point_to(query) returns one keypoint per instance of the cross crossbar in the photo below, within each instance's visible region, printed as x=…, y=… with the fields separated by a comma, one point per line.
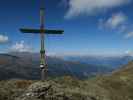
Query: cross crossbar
x=46, y=31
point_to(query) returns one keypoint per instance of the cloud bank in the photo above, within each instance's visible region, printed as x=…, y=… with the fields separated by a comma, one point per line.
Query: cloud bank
x=3, y=39
x=21, y=47
x=78, y=7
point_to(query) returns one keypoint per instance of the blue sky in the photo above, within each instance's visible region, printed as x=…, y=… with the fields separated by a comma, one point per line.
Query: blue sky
x=91, y=26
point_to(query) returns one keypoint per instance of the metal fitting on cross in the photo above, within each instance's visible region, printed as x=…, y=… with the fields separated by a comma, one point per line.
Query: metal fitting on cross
x=42, y=51
x=42, y=66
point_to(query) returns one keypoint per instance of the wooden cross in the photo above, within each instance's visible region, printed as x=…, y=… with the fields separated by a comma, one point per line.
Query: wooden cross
x=42, y=31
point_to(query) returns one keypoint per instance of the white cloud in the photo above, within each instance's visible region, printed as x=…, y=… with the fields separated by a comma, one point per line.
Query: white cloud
x=3, y=39
x=129, y=35
x=77, y=7
x=129, y=53
x=21, y=47
x=117, y=20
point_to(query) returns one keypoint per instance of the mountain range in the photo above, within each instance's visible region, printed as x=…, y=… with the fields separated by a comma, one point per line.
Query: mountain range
x=26, y=66
x=108, y=61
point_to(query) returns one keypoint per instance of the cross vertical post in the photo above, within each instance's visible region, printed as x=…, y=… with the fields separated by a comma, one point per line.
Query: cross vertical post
x=42, y=31
x=43, y=64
